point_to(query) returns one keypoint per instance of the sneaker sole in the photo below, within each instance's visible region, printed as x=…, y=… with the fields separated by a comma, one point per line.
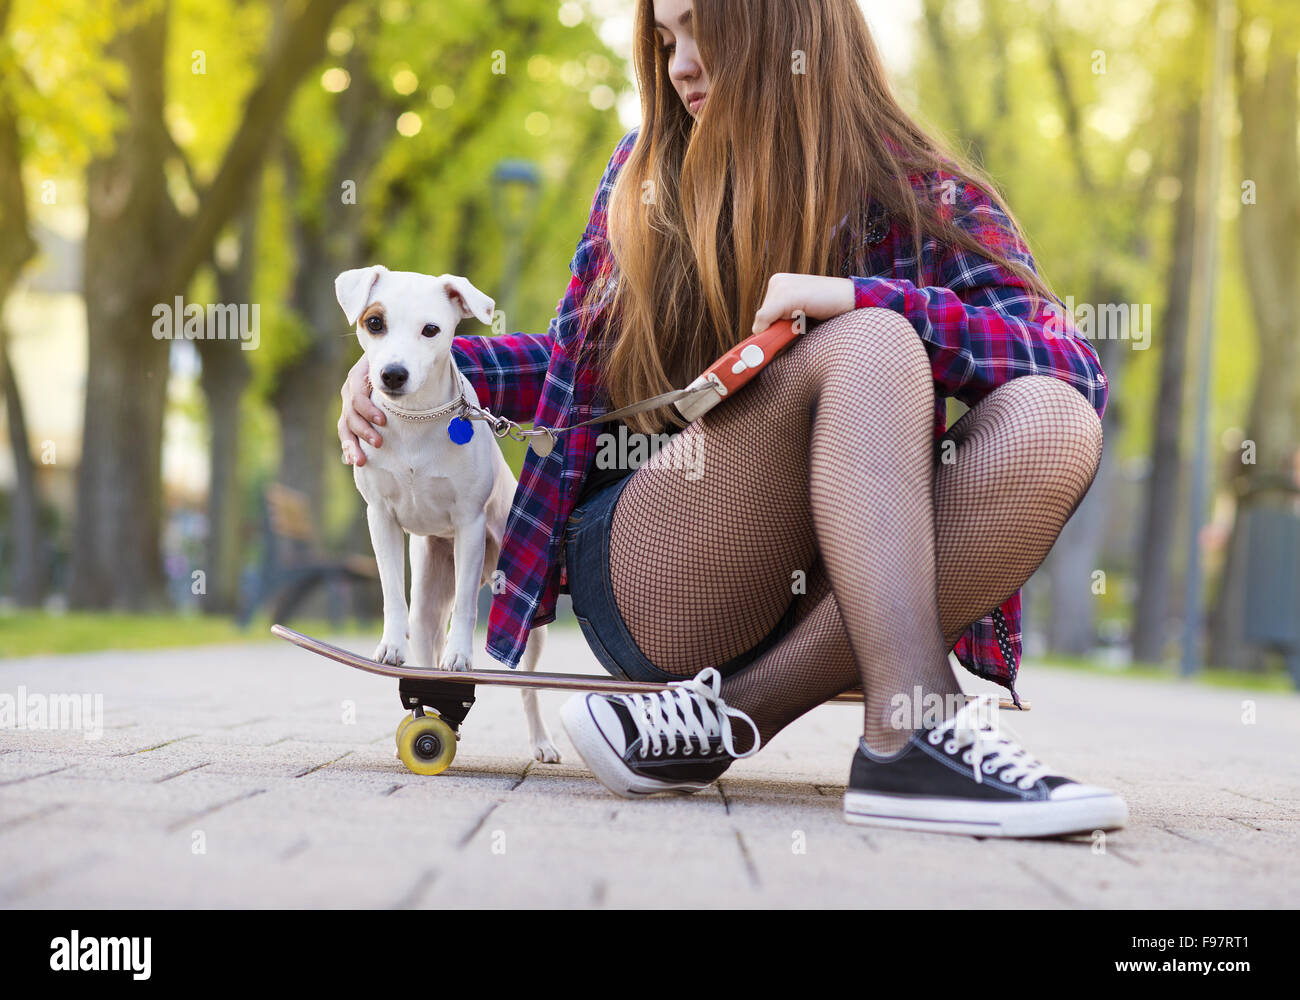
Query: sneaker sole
x=604, y=763
x=986, y=819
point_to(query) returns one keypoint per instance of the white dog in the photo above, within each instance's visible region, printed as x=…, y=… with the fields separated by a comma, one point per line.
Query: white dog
x=451, y=498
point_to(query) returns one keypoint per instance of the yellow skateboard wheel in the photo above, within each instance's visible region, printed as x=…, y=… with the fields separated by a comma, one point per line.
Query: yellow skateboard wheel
x=406, y=721
x=426, y=745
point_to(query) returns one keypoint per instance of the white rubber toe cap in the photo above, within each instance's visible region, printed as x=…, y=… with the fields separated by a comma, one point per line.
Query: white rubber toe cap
x=1074, y=790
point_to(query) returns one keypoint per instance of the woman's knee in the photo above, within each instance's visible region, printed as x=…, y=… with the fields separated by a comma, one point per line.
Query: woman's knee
x=1049, y=414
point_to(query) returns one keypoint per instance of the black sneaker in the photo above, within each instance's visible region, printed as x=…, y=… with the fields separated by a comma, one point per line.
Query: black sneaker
x=678, y=740
x=963, y=777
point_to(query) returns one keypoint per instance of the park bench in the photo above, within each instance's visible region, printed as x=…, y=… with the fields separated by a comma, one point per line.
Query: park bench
x=294, y=565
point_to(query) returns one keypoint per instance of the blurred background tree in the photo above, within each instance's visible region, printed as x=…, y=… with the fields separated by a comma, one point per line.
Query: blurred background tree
x=1093, y=119
x=1265, y=474
x=202, y=182
x=55, y=114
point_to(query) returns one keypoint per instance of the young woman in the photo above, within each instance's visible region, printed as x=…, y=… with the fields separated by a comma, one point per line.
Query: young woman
x=821, y=530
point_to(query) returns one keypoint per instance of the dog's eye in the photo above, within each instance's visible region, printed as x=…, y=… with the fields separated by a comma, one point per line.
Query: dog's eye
x=375, y=324
x=431, y=330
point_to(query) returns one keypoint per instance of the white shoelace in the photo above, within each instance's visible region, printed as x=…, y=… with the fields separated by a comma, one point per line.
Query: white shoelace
x=661, y=719
x=988, y=752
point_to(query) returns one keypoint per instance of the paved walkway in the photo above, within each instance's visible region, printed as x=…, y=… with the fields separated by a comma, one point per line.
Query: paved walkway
x=260, y=775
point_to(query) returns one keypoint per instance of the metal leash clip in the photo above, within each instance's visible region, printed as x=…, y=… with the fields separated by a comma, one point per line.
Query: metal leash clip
x=505, y=427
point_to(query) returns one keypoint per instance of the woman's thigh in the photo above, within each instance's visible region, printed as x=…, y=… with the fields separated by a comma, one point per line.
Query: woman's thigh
x=705, y=546
x=711, y=543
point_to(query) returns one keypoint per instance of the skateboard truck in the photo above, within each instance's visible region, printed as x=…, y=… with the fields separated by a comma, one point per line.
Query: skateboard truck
x=451, y=701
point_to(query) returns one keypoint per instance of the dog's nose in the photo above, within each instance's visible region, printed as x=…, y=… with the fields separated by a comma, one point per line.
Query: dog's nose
x=393, y=376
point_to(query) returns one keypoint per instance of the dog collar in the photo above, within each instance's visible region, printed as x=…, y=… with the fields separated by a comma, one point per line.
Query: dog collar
x=400, y=411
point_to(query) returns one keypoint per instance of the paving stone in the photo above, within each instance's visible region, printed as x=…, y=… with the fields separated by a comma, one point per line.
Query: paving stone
x=261, y=776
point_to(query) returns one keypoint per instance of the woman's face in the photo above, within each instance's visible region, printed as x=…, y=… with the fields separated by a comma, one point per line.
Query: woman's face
x=676, y=33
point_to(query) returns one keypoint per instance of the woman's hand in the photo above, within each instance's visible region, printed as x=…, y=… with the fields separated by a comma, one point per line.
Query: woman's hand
x=816, y=296
x=358, y=415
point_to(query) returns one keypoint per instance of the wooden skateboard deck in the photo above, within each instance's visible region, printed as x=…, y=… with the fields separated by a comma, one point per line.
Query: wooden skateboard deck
x=426, y=742
x=600, y=684
x=597, y=683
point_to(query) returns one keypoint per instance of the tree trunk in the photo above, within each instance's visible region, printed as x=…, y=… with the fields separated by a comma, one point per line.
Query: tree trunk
x=226, y=374
x=1163, y=493
x=303, y=402
x=1270, y=241
x=224, y=378
x=307, y=388
x=30, y=573
x=116, y=559
x=139, y=254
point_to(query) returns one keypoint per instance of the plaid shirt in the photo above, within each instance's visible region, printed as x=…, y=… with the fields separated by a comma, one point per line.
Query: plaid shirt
x=974, y=317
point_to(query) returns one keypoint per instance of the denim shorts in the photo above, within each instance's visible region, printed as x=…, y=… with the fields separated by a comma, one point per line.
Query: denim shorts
x=586, y=553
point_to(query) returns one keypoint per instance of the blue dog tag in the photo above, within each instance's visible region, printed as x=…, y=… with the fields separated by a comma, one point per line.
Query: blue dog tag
x=460, y=430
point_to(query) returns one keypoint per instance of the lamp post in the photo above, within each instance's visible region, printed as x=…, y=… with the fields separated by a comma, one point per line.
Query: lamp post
x=515, y=186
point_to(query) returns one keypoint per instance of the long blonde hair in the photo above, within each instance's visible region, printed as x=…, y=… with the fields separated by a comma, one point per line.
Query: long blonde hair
x=705, y=211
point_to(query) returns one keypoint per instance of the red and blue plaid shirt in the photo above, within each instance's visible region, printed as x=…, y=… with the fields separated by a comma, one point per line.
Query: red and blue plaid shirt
x=975, y=317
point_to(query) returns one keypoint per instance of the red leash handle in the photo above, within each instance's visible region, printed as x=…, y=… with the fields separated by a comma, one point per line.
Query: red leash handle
x=733, y=370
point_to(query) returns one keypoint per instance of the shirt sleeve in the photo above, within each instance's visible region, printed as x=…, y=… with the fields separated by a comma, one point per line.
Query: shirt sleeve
x=507, y=372
x=977, y=320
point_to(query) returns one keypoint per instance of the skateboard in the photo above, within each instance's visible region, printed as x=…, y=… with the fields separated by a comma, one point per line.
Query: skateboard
x=437, y=701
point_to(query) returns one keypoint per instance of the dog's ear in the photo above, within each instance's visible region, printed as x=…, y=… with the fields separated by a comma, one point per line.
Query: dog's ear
x=352, y=288
x=467, y=298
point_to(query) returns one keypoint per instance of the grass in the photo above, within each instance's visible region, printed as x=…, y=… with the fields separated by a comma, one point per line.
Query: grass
x=42, y=634
x=1277, y=680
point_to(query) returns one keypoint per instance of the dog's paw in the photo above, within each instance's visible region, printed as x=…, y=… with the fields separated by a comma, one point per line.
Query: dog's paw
x=456, y=659
x=391, y=651
x=546, y=752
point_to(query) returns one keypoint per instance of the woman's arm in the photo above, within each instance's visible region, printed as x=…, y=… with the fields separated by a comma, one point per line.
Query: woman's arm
x=978, y=324
x=977, y=321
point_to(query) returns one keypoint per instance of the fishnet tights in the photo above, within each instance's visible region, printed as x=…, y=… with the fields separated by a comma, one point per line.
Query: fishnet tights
x=822, y=484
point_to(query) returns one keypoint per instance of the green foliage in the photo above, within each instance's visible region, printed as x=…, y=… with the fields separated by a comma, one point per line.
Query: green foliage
x=214, y=55
x=54, y=64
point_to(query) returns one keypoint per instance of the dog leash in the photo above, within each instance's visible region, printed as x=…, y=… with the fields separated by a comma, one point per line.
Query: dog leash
x=729, y=373
x=542, y=439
